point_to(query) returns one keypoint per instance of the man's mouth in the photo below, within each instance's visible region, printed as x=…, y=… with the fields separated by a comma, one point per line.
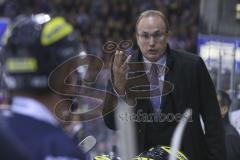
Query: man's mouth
x=152, y=51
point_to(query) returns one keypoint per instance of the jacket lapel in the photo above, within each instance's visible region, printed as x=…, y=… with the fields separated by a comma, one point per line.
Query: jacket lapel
x=168, y=81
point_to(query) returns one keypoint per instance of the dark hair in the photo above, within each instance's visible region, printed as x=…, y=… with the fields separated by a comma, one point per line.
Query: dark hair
x=224, y=98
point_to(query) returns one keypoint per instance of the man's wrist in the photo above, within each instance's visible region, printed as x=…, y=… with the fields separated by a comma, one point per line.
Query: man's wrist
x=120, y=92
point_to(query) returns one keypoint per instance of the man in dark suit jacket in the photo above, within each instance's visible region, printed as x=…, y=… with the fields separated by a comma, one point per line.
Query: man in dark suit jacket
x=231, y=135
x=187, y=84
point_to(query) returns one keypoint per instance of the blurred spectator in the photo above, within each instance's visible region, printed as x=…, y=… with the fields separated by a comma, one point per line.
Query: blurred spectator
x=231, y=135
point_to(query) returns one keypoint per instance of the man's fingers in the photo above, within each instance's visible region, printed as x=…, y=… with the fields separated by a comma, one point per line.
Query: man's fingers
x=120, y=66
x=119, y=58
x=116, y=58
x=124, y=66
x=122, y=58
x=126, y=61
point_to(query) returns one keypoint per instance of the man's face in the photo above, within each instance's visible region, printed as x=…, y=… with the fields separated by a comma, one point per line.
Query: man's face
x=223, y=108
x=152, y=37
x=224, y=111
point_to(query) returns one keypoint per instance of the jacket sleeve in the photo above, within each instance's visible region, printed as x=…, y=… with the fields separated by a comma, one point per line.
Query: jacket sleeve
x=210, y=111
x=108, y=103
x=233, y=146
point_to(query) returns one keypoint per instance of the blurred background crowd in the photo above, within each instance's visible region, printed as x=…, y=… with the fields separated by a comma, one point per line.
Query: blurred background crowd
x=100, y=21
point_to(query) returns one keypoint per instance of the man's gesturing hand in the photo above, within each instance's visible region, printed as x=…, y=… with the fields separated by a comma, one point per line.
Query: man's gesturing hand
x=120, y=69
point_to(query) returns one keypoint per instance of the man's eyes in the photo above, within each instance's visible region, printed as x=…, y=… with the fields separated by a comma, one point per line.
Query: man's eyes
x=154, y=35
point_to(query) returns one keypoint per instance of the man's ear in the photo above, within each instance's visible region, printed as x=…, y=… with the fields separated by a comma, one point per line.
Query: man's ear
x=168, y=34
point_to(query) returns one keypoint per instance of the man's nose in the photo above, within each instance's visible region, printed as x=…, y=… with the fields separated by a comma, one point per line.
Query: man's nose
x=151, y=41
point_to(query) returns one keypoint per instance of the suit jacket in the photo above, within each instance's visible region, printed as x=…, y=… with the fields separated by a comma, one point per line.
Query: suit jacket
x=232, y=140
x=193, y=88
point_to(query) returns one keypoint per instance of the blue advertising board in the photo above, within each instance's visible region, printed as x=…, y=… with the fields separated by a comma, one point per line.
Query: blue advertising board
x=215, y=48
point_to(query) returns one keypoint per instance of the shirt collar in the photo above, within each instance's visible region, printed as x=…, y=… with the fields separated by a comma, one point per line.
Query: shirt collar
x=32, y=108
x=148, y=64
